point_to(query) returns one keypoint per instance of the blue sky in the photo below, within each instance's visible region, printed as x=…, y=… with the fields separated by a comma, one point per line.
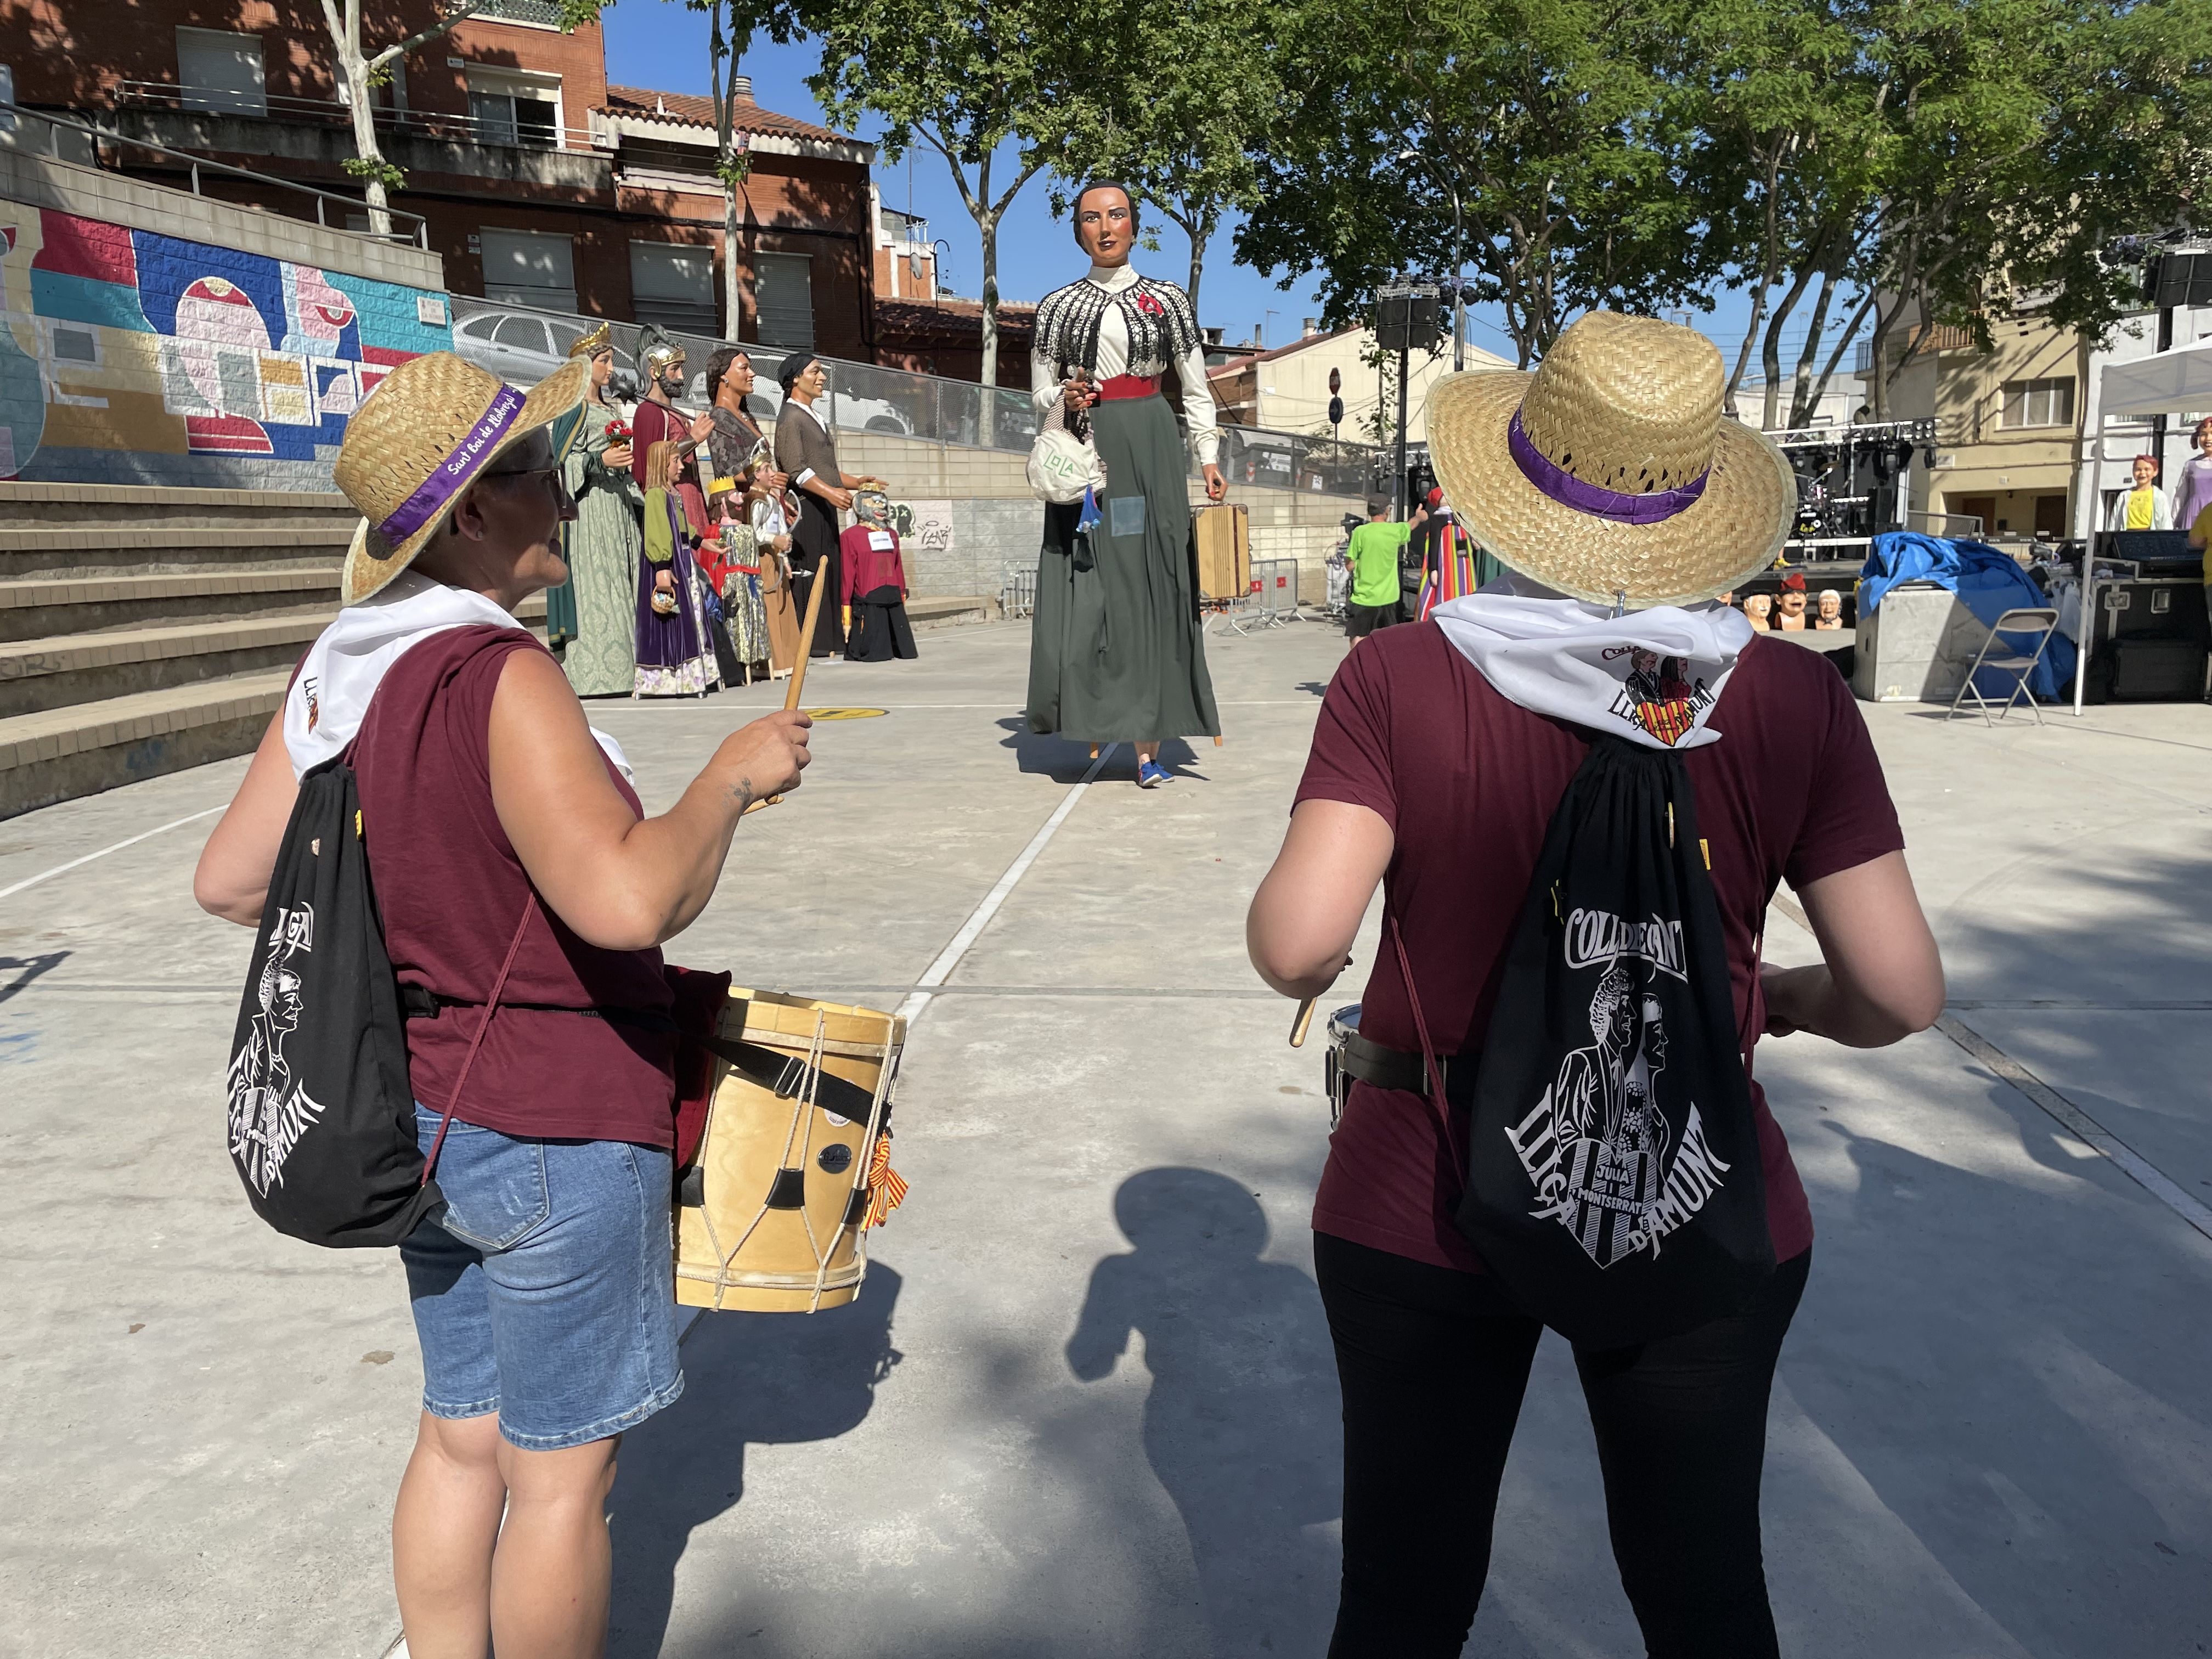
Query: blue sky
x=662, y=44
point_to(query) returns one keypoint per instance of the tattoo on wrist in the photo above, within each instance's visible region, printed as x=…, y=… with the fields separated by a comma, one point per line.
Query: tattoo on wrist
x=742, y=793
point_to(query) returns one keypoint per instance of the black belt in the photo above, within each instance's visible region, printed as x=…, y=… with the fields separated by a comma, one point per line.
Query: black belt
x=1368, y=1061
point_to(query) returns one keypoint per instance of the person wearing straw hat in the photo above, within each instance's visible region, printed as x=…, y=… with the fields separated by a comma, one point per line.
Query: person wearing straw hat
x=1621, y=500
x=496, y=822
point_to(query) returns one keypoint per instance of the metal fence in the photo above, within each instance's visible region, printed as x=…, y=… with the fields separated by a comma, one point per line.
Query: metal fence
x=523, y=344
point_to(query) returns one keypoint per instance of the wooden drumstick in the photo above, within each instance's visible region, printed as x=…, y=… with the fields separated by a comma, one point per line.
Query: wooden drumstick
x=796, y=688
x=1305, y=1019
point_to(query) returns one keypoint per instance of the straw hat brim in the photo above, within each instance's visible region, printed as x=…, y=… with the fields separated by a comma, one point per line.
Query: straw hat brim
x=1732, y=531
x=372, y=562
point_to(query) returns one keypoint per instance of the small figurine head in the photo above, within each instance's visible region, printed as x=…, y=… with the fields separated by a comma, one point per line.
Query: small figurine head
x=1790, y=602
x=1831, y=606
x=1757, y=607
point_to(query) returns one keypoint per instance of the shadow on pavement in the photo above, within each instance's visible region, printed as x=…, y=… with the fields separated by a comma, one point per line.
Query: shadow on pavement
x=2028, y=1445
x=749, y=1379
x=1062, y=759
x=1242, y=1425
x=26, y=968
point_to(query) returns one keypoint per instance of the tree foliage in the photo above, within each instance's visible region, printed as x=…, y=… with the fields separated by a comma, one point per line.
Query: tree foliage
x=964, y=78
x=1176, y=110
x=1911, y=163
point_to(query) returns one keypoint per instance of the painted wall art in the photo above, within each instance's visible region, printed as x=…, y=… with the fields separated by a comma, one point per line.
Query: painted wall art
x=128, y=356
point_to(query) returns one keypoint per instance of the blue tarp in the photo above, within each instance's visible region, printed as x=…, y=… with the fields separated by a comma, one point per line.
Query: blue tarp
x=1990, y=583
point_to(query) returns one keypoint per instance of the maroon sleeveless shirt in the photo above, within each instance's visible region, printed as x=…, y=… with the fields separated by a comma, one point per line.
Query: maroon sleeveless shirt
x=452, y=892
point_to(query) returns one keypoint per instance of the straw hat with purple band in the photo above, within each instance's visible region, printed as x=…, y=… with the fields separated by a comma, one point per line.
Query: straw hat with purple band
x=435, y=426
x=1609, y=473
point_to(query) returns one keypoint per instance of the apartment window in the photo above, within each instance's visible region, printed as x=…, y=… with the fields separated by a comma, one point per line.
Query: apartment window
x=221, y=72
x=508, y=109
x=529, y=268
x=783, y=299
x=2038, y=403
x=672, y=284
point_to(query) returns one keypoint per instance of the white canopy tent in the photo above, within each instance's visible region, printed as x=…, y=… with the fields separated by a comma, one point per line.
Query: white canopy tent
x=2171, y=383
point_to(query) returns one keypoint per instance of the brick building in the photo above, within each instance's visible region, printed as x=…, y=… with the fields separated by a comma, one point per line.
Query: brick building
x=538, y=184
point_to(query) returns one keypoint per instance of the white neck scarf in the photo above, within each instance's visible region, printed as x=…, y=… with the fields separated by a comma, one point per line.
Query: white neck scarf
x=330, y=698
x=1652, y=677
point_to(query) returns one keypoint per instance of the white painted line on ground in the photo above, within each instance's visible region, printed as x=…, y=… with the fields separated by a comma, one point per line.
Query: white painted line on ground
x=2077, y=1123
x=970, y=930
x=63, y=869
x=2084, y=1128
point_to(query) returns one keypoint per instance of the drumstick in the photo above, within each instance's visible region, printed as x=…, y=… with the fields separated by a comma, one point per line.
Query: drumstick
x=798, y=687
x=1305, y=1019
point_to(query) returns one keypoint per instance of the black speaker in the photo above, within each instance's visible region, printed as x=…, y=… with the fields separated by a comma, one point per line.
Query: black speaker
x=1407, y=322
x=2180, y=279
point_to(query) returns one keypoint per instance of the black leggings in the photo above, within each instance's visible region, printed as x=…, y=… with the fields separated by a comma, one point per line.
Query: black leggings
x=1433, y=1364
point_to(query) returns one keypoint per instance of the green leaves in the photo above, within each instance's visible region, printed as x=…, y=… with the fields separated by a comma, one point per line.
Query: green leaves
x=1635, y=153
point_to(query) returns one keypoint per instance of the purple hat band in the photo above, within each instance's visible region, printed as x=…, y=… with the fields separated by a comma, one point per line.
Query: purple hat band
x=454, y=474
x=1568, y=490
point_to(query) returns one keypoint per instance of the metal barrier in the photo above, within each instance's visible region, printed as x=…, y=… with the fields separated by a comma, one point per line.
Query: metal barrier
x=1017, y=593
x=42, y=128
x=1275, y=585
x=866, y=397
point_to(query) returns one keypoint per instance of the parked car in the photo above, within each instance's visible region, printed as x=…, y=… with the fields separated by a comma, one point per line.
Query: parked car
x=523, y=347
x=848, y=412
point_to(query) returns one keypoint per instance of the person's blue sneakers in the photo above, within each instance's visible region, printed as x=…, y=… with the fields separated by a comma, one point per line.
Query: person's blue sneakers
x=1150, y=774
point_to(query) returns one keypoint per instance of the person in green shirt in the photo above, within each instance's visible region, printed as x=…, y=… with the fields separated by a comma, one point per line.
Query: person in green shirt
x=1373, y=555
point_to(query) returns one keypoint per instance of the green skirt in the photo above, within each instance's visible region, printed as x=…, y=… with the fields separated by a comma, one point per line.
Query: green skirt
x=1116, y=651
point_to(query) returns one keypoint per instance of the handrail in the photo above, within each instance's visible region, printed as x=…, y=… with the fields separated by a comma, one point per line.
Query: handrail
x=437, y=125
x=352, y=203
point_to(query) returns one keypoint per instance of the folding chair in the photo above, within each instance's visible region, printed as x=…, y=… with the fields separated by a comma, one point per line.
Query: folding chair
x=2040, y=623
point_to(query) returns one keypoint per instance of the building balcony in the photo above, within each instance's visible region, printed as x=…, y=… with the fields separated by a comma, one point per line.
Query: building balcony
x=318, y=134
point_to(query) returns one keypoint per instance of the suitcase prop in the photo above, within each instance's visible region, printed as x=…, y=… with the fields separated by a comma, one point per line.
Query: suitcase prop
x=794, y=1166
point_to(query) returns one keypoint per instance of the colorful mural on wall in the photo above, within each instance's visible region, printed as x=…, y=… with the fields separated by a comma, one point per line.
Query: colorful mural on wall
x=130, y=356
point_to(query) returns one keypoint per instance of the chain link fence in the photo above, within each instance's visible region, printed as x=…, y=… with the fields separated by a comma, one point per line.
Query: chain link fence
x=522, y=344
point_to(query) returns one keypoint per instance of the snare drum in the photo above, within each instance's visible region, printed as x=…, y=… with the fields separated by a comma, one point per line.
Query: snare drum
x=793, y=1167
x=1336, y=1081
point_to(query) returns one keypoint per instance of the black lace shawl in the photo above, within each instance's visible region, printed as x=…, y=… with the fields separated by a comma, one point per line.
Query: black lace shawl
x=1161, y=325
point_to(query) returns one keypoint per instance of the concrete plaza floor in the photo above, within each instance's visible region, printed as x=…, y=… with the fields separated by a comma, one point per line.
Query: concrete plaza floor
x=1086, y=1405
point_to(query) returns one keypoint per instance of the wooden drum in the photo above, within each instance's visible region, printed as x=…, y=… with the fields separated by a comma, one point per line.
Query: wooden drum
x=794, y=1166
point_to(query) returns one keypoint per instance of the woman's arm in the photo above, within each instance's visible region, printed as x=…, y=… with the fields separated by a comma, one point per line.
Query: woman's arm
x=232, y=880
x=1880, y=978
x=620, y=882
x=1309, y=909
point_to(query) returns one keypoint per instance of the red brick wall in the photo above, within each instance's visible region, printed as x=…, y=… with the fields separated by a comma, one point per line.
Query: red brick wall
x=74, y=51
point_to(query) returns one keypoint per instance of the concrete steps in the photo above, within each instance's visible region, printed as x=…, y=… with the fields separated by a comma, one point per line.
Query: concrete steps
x=143, y=629
x=33, y=609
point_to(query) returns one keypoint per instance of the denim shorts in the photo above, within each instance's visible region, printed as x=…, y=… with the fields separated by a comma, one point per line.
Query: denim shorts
x=544, y=1291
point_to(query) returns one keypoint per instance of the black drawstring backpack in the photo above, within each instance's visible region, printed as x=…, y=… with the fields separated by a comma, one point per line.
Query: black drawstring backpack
x=1613, y=1177
x=322, y=1117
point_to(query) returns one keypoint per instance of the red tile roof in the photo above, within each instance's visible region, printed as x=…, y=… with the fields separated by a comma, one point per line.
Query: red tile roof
x=923, y=324
x=688, y=109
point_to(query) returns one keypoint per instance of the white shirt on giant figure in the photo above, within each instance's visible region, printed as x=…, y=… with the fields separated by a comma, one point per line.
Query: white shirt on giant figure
x=1113, y=359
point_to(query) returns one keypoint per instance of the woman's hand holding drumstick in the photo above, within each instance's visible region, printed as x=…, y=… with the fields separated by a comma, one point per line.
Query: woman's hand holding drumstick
x=798, y=687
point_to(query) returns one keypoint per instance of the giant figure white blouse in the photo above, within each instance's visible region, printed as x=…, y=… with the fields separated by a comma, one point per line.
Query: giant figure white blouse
x=1113, y=359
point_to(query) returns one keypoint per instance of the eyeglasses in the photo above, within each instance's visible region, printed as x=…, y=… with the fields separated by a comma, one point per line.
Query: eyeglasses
x=560, y=485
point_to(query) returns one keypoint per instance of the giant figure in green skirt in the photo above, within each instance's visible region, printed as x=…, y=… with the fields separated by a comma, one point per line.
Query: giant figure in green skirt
x=1117, y=651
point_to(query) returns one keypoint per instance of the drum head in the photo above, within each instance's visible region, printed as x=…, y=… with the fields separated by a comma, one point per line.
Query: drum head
x=1344, y=1022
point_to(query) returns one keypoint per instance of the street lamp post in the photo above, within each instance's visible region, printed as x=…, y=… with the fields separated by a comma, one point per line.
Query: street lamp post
x=1459, y=258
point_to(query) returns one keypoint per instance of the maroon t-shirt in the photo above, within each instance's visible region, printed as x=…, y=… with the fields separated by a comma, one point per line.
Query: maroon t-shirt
x=1468, y=782
x=452, y=892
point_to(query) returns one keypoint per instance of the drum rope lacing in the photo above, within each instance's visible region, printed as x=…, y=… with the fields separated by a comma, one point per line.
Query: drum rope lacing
x=886, y=1189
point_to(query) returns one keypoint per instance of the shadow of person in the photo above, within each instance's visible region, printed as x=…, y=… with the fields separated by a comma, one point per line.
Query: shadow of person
x=1063, y=760
x=1242, y=1425
x=749, y=1378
